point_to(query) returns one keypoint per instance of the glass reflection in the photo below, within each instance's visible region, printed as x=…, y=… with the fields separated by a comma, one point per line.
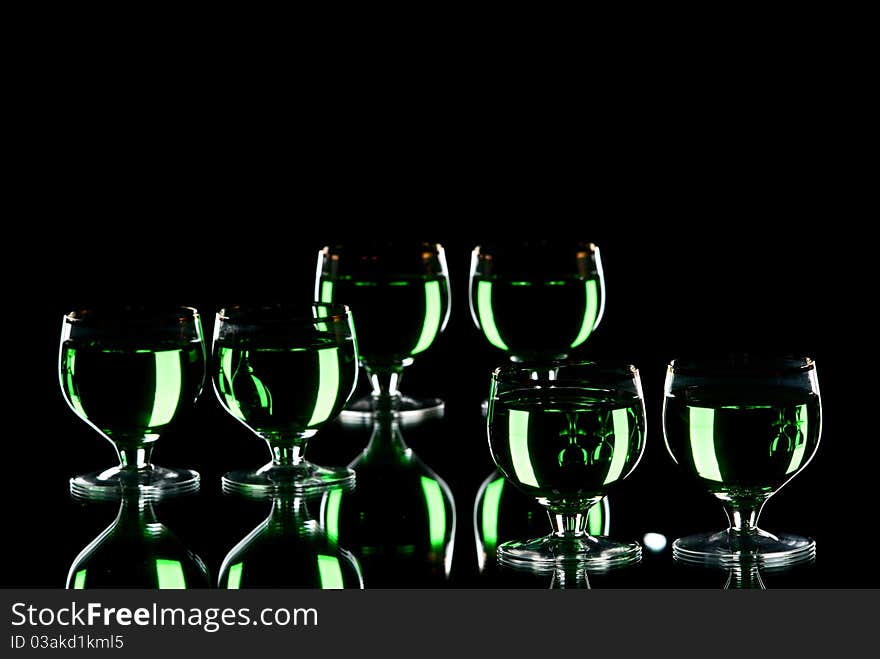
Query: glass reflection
x=502, y=513
x=568, y=576
x=749, y=573
x=745, y=576
x=137, y=551
x=289, y=549
x=400, y=520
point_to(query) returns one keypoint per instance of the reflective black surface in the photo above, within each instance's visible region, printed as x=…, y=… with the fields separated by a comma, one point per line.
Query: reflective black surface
x=210, y=523
x=788, y=290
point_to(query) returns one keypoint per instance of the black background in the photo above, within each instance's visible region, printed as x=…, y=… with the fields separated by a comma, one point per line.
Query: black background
x=729, y=208
x=695, y=259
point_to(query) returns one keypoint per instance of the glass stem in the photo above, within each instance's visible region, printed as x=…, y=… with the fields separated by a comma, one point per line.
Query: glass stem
x=743, y=518
x=136, y=512
x=568, y=525
x=287, y=455
x=744, y=577
x=135, y=458
x=289, y=513
x=565, y=578
x=385, y=381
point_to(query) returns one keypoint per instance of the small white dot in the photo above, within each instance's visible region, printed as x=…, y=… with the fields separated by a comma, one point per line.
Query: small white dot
x=655, y=542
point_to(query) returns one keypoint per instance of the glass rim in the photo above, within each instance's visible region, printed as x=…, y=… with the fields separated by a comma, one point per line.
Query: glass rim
x=612, y=371
x=761, y=365
x=331, y=248
x=110, y=315
x=476, y=251
x=246, y=313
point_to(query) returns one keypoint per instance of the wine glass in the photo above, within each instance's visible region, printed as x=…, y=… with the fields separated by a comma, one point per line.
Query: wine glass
x=742, y=427
x=400, y=519
x=564, y=433
x=514, y=288
x=137, y=551
x=130, y=373
x=403, y=282
x=284, y=371
x=289, y=549
x=537, y=299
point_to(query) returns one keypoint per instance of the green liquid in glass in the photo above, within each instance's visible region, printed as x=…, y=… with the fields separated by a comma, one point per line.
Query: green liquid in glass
x=565, y=445
x=395, y=318
x=131, y=392
x=284, y=390
x=536, y=317
x=742, y=446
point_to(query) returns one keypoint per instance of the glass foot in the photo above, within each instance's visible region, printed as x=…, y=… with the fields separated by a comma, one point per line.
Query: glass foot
x=727, y=549
x=548, y=553
x=304, y=478
x=155, y=482
x=411, y=410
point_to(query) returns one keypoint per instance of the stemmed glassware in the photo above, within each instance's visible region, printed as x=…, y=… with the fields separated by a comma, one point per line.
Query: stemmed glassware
x=137, y=551
x=400, y=519
x=537, y=299
x=284, y=371
x=534, y=300
x=130, y=373
x=502, y=512
x=742, y=427
x=564, y=433
x=289, y=549
x=405, y=283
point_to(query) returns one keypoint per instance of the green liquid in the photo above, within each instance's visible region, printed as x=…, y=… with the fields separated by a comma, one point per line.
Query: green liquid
x=398, y=522
x=285, y=390
x=288, y=550
x=394, y=318
x=742, y=446
x=565, y=446
x=502, y=513
x=400, y=519
x=536, y=317
x=131, y=392
x=136, y=551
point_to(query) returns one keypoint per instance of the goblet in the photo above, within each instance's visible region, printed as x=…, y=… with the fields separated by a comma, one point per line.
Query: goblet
x=405, y=281
x=564, y=433
x=537, y=299
x=742, y=427
x=137, y=551
x=400, y=519
x=514, y=288
x=284, y=371
x=130, y=373
x=289, y=549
